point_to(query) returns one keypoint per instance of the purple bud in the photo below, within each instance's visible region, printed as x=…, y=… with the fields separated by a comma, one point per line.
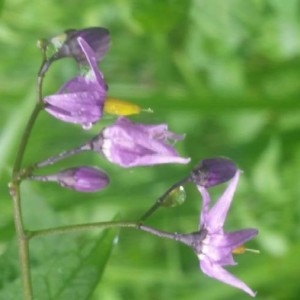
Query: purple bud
x=82, y=179
x=213, y=171
x=129, y=144
x=67, y=45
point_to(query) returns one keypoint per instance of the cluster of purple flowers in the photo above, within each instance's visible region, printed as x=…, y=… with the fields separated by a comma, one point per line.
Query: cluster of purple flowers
x=81, y=101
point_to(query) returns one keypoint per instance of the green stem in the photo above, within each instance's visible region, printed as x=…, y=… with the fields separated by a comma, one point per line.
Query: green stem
x=81, y=227
x=62, y=155
x=32, y=119
x=14, y=187
x=24, y=140
x=103, y=225
x=23, y=242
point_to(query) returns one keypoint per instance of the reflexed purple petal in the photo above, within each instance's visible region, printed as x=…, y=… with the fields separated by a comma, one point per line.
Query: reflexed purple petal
x=140, y=136
x=212, y=245
x=220, y=256
x=131, y=144
x=79, y=84
x=78, y=108
x=209, y=249
x=217, y=214
x=150, y=160
x=215, y=271
x=234, y=239
x=205, y=205
x=128, y=155
x=96, y=37
x=81, y=99
x=92, y=61
x=158, y=131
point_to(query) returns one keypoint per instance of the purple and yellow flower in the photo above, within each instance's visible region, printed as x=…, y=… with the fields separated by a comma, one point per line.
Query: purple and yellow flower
x=81, y=99
x=82, y=179
x=212, y=245
x=129, y=144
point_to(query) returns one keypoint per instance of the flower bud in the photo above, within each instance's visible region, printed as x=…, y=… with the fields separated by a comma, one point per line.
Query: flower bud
x=213, y=171
x=82, y=179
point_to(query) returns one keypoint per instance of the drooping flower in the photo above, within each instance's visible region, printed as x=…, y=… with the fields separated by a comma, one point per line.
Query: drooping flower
x=81, y=99
x=212, y=245
x=213, y=171
x=82, y=179
x=129, y=144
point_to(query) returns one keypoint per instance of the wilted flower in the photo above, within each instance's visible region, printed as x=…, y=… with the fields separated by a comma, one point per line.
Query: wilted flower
x=129, y=144
x=212, y=245
x=82, y=98
x=213, y=171
x=82, y=179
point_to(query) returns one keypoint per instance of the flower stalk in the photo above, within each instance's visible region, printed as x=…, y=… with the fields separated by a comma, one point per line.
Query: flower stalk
x=14, y=188
x=23, y=242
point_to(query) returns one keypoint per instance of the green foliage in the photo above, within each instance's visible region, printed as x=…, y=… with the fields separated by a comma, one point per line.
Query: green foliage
x=64, y=267
x=226, y=73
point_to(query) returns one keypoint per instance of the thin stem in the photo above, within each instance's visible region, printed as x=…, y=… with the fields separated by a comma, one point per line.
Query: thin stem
x=23, y=242
x=25, y=138
x=102, y=225
x=162, y=234
x=14, y=187
x=62, y=155
x=81, y=227
x=27, y=131
x=161, y=199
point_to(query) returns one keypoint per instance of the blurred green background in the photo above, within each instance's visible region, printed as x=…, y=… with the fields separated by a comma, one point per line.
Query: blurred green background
x=225, y=73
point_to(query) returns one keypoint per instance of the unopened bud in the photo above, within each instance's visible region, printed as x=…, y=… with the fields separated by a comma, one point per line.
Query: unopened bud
x=82, y=179
x=213, y=171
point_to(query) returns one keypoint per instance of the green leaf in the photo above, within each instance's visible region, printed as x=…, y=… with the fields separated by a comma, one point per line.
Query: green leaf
x=65, y=267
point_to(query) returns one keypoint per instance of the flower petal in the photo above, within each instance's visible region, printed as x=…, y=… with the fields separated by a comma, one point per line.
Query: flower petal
x=217, y=272
x=78, y=108
x=131, y=144
x=234, y=239
x=205, y=205
x=217, y=214
x=92, y=61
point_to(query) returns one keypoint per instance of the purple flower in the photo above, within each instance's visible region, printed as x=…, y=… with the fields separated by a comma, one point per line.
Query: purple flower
x=129, y=144
x=67, y=45
x=213, y=171
x=82, y=179
x=81, y=99
x=211, y=244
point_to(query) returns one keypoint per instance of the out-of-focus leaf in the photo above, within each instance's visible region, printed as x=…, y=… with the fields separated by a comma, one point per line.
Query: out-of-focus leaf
x=68, y=267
